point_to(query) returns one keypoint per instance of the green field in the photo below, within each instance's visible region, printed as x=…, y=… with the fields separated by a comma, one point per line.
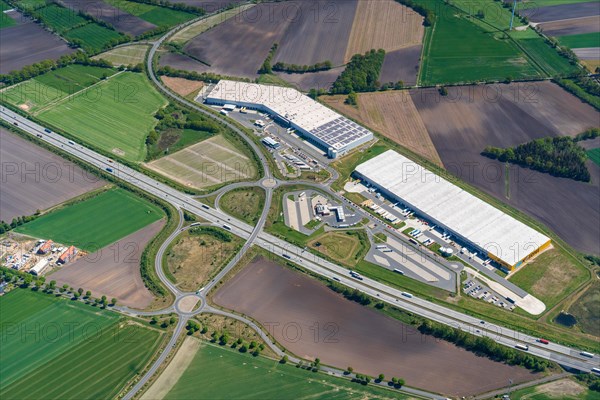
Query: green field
x=594, y=155
x=160, y=16
x=462, y=48
x=218, y=373
x=582, y=40
x=5, y=20
x=59, y=18
x=54, y=348
x=39, y=92
x=115, y=117
x=96, y=222
x=93, y=37
x=586, y=310
x=244, y=203
x=31, y=4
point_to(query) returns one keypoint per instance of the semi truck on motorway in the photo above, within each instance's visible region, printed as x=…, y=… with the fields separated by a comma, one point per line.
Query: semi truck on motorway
x=586, y=354
x=523, y=347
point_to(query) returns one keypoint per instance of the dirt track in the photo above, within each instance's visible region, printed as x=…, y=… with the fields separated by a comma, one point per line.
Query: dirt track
x=113, y=271
x=383, y=24
x=34, y=178
x=312, y=321
x=470, y=118
x=40, y=45
x=393, y=115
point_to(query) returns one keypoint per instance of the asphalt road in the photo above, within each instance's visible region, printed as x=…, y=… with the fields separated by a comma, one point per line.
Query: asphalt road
x=561, y=354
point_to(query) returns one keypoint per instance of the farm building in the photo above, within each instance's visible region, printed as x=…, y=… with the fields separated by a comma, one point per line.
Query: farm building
x=39, y=268
x=45, y=247
x=67, y=256
x=316, y=123
x=471, y=220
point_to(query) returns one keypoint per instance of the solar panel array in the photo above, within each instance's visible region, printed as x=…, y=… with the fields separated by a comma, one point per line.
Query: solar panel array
x=340, y=132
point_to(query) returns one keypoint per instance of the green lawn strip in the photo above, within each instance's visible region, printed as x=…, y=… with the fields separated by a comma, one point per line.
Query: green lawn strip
x=30, y=4
x=93, y=37
x=262, y=378
x=37, y=328
x=594, y=155
x=5, y=20
x=244, y=203
x=581, y=40
x=96, y=222
x=115, y=117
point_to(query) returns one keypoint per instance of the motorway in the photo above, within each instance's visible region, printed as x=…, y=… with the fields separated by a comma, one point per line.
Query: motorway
x=561, y=354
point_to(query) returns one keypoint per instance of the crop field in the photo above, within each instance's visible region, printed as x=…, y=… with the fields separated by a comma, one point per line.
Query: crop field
x=53, y=359
x=316, y=31
x=393, y=115
x=208, y=163
x=563, y=389
x=401, y=65
x=30, y=4
x=41, y=45
x=5, y=19
x=210, y=5
x=594, y=155
x=92, y=36
x=194, y=258
x=570, y=26
x=127, y=55
x=581, y=40
x=538, y=13
x=53, y=181
x=159, y=16
x=182, y=86
x=116, y=116
x=350, y=334
x=249, y=38
x=96, y=222
x=383, y=24
x=113, y=271
x=44, y=90
x=60, y=19
x=267, y=378
x=546, y=58
x=470, y=118
x=190, y=32
x=244, y=203
x=120, y=20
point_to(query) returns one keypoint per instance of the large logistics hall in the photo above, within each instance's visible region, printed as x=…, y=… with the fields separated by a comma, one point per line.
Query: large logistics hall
x=473, y=221
x=318, y=124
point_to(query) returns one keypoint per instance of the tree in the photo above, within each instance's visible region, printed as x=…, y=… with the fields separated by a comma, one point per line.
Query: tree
x=349, y=369
x=352, y=99
x=64, y=288
x=443, y=91
x=244, y=348
x=381, y=377
x=88, y=294
x=80, y=291
x=113, y=301
x=400, y=382
x=172, y=320
x=27, y=279
x=154, y=320
x=284, y=359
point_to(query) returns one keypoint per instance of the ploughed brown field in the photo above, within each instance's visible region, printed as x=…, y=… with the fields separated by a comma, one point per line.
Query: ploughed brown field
x=571, y=26
x=393, y=115
x=119, y=19
x=180, y=61
x=113, y=271
x=34, y=178
x=313, y=80
x=401, y=65
x=27, y=43
x=561, y=11
x=311, y=321
x=470, y=118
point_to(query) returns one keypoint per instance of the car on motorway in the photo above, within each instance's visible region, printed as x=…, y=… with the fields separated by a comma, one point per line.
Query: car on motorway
x=543, y=341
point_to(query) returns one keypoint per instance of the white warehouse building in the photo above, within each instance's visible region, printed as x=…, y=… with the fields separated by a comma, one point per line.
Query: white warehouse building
x=318, y=124
x=471, y=220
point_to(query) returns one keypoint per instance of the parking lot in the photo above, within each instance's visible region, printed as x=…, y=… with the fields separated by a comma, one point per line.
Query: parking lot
x=481, y=292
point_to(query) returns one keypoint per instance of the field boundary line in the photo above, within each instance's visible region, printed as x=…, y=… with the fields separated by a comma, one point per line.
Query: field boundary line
x=60, y=101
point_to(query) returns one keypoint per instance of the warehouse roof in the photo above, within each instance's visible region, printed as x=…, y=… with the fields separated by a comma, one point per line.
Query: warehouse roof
x=323, y=123
x=475, y=220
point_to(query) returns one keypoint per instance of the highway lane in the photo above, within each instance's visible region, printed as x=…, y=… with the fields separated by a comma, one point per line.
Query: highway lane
x=562, y=354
